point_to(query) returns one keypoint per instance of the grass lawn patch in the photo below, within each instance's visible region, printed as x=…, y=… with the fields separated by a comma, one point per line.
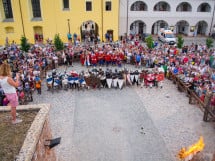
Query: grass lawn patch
x=13, y=136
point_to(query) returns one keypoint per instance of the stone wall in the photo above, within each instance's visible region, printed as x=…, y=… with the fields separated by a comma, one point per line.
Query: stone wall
x=43, y=153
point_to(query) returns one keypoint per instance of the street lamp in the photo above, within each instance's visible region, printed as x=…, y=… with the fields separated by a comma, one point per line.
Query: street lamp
x=68, y=25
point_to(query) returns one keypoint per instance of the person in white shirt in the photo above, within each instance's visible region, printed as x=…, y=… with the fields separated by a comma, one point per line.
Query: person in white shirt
x=8, y=85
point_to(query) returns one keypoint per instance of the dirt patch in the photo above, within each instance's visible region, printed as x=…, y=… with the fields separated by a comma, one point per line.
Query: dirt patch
x=12, y=136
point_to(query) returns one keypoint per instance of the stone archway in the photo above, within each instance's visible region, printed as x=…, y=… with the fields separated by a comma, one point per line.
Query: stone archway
x=158, y=25
x=182, y=27
x=89, y=30
x=201, y=28
x=137, y=27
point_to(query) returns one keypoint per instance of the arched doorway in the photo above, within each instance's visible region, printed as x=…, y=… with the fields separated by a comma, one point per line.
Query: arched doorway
x=201, y=27
x=182, y=27
x=38, y=34
x=137, y=27
x=89, y=30
x=158, y=25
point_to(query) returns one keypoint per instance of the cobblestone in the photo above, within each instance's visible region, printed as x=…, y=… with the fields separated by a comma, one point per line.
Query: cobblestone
x=132, y=124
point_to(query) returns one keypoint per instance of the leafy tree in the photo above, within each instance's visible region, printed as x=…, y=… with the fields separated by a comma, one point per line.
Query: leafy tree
x=209, y=42
x=58, y=42
x=25, y=46
x=180, y=42
x=150, y=42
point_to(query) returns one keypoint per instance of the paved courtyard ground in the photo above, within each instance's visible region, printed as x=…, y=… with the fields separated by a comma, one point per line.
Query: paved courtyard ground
x=132, y=124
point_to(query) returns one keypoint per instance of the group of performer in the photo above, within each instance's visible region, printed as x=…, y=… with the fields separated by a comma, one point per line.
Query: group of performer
x=98, y=78
x=100, y=57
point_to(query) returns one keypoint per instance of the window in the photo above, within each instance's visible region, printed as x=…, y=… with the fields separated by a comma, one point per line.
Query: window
x=204, y=7
x=139, y=6
x=184, y=7
x=162, y=6
x=108, y=6
x=7, y=8
x=65, y=4
x=36, y=8
x=88, y=6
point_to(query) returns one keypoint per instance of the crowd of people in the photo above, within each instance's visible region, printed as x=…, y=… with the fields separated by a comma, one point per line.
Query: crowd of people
x=194, y=64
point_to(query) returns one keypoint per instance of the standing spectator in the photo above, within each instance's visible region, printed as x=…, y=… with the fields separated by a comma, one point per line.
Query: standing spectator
x=55, y=58
x=71, y=56
x=138, y=60
x=8, y=85
x=75, y=38
x=38, y=84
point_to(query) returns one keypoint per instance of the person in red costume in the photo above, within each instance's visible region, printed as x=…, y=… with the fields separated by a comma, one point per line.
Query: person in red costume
x=82, y=58
x=107, y=58
x=93, y=60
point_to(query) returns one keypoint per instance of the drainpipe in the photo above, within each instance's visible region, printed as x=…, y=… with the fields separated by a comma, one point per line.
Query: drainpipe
x=20, y=9
x=102, y=19
x=212, y=19
x=127, y=18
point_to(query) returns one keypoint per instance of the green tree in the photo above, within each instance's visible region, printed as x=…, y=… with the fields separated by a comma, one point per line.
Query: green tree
x=209, y=42
x=150, y=42
x=25, y=46
x=58, y=42
x=180, y=42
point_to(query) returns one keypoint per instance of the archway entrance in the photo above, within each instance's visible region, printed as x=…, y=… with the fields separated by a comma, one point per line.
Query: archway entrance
x=38, y=34
x=158, y=25
x=201, y=27
x=89, y=31
x=182, y=27
x=137, y=27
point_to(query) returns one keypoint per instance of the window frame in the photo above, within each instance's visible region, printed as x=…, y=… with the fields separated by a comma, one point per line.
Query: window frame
x=66, y=8
x=139, y=6
x=36, y=9
x=87, y=3
x=8, y=11
x=107, y=6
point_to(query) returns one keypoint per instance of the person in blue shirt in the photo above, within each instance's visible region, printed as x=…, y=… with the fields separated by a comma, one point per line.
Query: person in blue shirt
x=138, y=60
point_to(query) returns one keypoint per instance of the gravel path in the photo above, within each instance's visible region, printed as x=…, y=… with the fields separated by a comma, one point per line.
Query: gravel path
x=132, y=124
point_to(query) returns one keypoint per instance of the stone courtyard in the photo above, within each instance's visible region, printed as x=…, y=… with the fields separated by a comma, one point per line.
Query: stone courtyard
x=132, y=124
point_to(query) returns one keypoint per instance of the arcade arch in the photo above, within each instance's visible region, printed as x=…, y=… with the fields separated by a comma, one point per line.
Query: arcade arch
x=204, y=7
x=158, y=25
x=184, y=7
x=162, y=6
x=201, y=28
x=182, y=27
x=138, y=27
x=139, y=6
x=89, y=30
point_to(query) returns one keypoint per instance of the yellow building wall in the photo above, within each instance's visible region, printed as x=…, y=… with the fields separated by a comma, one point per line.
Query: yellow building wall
x=111, y=19
x=55, y=19
x=16, y=24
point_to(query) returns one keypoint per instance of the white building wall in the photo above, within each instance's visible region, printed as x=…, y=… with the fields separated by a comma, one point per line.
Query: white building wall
x=149, y=17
